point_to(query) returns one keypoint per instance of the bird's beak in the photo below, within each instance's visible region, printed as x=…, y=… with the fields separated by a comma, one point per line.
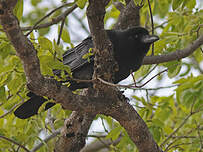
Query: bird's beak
x=149, y=39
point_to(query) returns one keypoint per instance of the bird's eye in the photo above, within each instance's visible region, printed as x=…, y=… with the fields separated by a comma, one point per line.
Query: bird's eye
x=136, y=36
x=133, y=37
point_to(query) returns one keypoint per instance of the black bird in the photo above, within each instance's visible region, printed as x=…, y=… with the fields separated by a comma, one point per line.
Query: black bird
x=129, y=46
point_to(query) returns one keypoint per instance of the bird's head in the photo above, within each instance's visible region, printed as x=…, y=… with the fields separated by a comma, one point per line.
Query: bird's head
x=140, y=35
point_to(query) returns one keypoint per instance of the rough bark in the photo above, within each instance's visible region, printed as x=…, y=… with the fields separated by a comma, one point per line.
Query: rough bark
x=129, y=16
x=74, y=132
x=110, y=101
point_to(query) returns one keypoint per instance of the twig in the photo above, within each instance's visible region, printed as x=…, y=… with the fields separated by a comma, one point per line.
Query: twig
x=176, y=130
x=147, y=95
x=141, y=3
x=133, y=78
x=119, y=6
x=170, y=144
x=50, y=121
x=147, y=73
x=196, y=64
x=152, y=22
x=44, y=17
x=104, y=126
x=179, y=145
x=5, y=114
x=54, y=20
x=160, y=26
x=102, y=143
x=97, y=136
x=61, y=30
x=198, y=29
x=200, y=137
x=152, y=78
x=54, y=134
x=14, y=142
x=157, y=88
x=184, y=137
x=180, y=126
x=130, y=86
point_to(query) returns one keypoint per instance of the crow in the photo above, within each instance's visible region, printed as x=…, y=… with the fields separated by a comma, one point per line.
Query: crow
x=130, y=47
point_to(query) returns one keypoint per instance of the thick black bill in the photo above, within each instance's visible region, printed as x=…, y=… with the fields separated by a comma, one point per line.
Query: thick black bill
x=150, y=38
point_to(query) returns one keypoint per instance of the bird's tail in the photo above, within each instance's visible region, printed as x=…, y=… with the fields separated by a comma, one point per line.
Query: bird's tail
x=31, y=106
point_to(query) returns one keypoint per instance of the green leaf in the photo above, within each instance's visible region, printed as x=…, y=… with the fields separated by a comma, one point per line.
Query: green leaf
x=142, y=71
x=2, y=94
x=156, y=132
x=81, y=3
x=163, y=113
x=190, y=4
x=35, y=2
x=43, y=31
x=6, y=49
x=16, y=83
x=114, y=133
x=158, y=123
x=42, y=107
x=173, y=68
x=65, y=36
x=45, y=43
x=18, y=10
x=58, y=49
x=188, y=66
x=3, y=132
x=48, y=63
x=176, y=4
x=187, y=97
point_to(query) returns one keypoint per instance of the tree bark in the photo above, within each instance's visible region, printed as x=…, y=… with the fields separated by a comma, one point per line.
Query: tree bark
x=101, y=100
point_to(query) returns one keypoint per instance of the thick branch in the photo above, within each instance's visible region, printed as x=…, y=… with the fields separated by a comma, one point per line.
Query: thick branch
x=104, y=62
x=36, y=82
x=42, y=86
x=135, y=126
x=129, y=16
x=115, y=105
x=74, y=132
x=177, y=55
x=120, y=109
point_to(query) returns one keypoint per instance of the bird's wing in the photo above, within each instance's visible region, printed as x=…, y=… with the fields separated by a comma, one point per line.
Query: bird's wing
x=74, y=57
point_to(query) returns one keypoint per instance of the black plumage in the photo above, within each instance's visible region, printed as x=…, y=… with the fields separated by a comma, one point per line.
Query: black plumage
x=129, y=46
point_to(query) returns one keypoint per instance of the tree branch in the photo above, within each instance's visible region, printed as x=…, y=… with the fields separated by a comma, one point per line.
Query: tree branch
x=104, y=62
x=61, y=94
x=100, y=144
x=14, y=142
x=177, y=55
x=44, y=17
x=134, y=125
x=114, y=105
x=54, y=20
x=74, y=132
x=129, y=16
x=48, y=138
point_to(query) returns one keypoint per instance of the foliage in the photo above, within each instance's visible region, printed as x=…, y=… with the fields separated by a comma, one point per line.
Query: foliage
x=177, y=22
